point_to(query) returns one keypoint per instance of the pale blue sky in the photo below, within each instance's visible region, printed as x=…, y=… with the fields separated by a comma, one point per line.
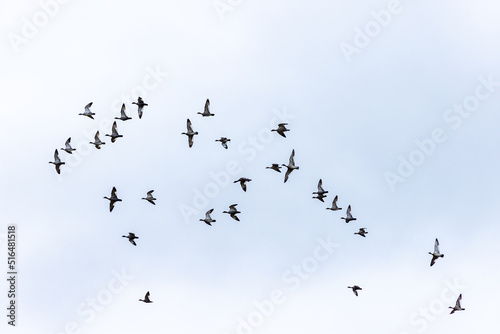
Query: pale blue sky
x=351, y=118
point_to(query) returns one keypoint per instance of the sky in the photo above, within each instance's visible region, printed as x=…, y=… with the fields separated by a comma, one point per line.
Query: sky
x=393, y=104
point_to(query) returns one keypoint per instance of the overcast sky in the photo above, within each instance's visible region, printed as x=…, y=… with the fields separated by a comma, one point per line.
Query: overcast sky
x=393, y=104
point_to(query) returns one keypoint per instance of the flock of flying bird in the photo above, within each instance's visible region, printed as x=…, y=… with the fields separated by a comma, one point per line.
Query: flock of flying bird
x=233, y=211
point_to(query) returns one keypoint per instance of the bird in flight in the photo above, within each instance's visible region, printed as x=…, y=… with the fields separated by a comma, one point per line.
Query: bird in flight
x=436, y=253
x=355, y=289
x=243, y=181
x=87, y=111
x=321, y=192
x=190, y=133
x=123, y=115
x=223, y=141
x=233, y=212
x=348, y=216
x=275, y=167
x=112, y=199
x=208, y=219
x=57, y=162
x=291, y=166
x=457, y=306
x=206, y=110
x=114, y=133
x=140, y=105
x=97, y=142
x=131, y=236
x=362, y=232
x=334, y=204
x=146, y=298
x=281, y=129
x=68, y=148
x=150, y=197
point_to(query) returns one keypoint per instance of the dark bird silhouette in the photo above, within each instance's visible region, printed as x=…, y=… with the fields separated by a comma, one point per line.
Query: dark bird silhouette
x=57, y=162
x=190, y=133
x=113, y=199
x=146, y=298
x=131, y=236
x=140, y=105
x=243, y=182
x=281, y=129
x=355, y=289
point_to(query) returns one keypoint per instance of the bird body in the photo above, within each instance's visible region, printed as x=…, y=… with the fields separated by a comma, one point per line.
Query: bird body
x=123, y=115
x=208, y=219
x=223, y=141
x=233, y=212
x=57, y=162
x=362, y=232
x=275, y=167
x=355, y=289
x=348, y=216
x=281, y=129
x=190, y=133
x=87, y=111
x=206, y=110
x=436, y=254
x=114, y=133
x=146, y=298
x=320, y=197
x=243, y=181
x=150, y=197
x=97, y=142
x=68, y=149
x=140, y=105
x=131, y=236
x=457, y=306
x=334, y=204
x=113, y=199
x=291, y=166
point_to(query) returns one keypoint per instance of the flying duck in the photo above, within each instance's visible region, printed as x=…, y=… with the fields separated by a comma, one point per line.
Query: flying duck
x=87, y=111
x=320, y=197
x=57, y=162
x=291, y=166
x=223, y=141
x=131, y=236
x=457, y=306
x=355, y=289
x=362, y=232
x=281, y=129
x=275, y=167
x=123, y=115
x=112, y=199
x=150, y=197
x=321, y=192
x=206, y=110
x=190, y=133
x=146, y=298
x=114, y=133
x=208, y=220
x=320, y=188
x=348, y=216
x=97, y=142
x=232, y=212
x=436, y=253
x=68, y=148
x=140, y=105
x=243, y=181
x=334, y=204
